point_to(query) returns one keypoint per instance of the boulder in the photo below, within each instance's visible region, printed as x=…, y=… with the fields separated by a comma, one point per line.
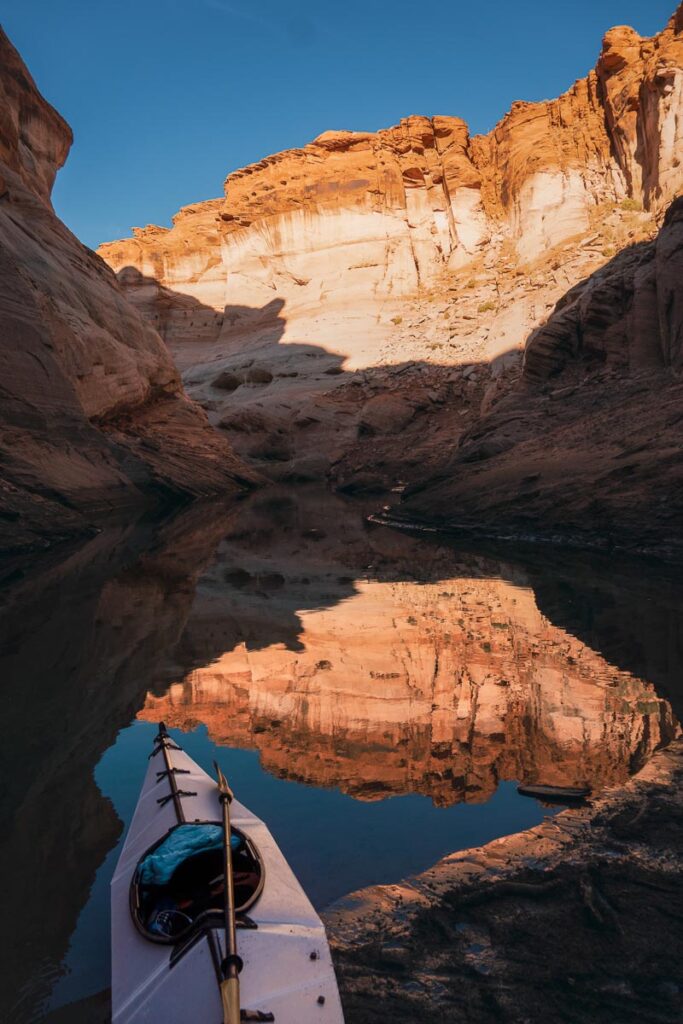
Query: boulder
x=227, y=381
x=385, y=414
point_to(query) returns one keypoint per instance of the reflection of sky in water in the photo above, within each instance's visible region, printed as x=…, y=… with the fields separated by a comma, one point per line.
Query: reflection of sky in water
x=335, y=844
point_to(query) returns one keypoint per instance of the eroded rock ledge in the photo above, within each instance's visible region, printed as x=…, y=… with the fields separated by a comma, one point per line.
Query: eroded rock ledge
x=575, y=920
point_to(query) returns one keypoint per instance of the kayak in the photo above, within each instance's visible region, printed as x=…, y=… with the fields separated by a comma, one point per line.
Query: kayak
x=167, y=906
x=559, y=794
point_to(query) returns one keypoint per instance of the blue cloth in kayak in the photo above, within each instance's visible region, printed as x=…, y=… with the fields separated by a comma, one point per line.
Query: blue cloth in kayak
x=184, y=841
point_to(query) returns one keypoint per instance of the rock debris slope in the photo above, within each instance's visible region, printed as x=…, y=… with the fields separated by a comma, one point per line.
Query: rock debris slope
x=93, y=415
x=586, y=445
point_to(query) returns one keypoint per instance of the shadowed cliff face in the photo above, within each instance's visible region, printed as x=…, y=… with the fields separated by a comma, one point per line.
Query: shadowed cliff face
x=586, y=445
x=442, y=684
x=93, y=414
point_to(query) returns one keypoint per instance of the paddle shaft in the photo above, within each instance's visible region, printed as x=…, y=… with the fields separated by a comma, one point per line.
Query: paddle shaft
x=230, y=987
x=230, y=998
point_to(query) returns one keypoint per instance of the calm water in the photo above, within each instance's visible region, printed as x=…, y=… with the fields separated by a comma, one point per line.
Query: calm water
x=373, y=696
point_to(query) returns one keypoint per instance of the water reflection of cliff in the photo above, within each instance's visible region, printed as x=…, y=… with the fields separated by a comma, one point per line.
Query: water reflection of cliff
x=442, y=686
x=347, y=654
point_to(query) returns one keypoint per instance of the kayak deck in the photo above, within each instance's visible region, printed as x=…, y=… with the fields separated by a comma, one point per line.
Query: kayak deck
x=288, y=969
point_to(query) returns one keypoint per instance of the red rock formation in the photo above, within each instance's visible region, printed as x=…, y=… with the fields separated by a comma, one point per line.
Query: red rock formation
x=355, y=215
x=407, y=253
x=587, y=446
x=93, y=413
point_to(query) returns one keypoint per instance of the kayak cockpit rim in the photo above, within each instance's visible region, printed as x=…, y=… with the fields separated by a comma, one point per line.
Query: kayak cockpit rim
x=192, y=893
x=177, y=885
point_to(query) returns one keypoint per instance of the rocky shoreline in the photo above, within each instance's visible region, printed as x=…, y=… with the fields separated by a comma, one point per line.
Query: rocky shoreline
x=564, y=922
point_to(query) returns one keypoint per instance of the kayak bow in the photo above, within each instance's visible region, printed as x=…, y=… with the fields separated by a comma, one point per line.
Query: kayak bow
x=168, y=911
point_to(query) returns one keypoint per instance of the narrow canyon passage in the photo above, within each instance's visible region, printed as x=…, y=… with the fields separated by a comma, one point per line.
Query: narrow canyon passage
x=376, y=695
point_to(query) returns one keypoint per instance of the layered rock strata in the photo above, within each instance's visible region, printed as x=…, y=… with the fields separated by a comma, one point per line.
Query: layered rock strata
x=366, y=216
x=94, y=416
x=415, y=261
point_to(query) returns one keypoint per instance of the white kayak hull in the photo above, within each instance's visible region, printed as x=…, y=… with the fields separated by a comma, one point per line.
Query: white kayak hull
x=288, y=969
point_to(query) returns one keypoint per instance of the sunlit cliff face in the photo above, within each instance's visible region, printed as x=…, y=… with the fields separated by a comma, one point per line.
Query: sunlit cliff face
x=440, y=688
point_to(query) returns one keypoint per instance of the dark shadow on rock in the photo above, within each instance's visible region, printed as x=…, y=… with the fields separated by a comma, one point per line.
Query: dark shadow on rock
x=296, y=413
x=588, y=451
x=182, y=320
x=580, y=447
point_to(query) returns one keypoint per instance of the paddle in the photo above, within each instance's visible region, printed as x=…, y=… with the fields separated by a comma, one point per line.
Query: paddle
x=232, y=964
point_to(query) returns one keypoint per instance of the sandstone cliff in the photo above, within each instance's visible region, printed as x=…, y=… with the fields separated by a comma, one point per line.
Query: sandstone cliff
x=380, y=285
x=93, y=414
x=360, y=215
x=586, y=446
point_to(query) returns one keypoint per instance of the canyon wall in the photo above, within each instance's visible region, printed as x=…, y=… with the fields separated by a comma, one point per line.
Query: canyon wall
x=361, y=217
x=94, y=416
x=586, y=445
x=375, y=286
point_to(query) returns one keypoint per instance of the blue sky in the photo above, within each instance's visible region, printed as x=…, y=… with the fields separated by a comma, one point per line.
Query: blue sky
x=165, y=97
